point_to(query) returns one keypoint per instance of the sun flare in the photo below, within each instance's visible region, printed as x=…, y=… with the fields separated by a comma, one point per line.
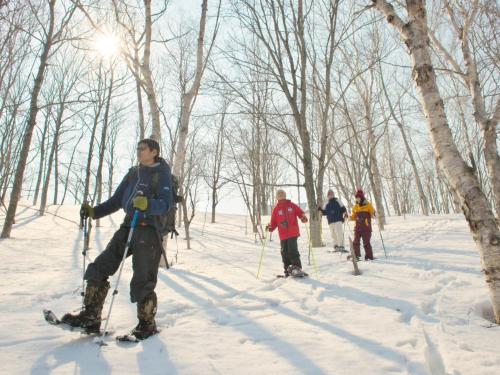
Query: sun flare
x=107, y=45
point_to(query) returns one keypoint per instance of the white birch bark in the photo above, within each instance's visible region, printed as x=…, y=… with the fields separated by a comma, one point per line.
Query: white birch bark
x=189, y=97
x=462, y=180
x=147, y=76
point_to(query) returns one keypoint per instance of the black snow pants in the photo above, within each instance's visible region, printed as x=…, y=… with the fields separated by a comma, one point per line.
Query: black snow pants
x=290, y=253
x=146, y=250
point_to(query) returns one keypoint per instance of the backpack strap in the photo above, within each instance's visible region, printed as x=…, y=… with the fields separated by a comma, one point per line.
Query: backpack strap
x=154, y=182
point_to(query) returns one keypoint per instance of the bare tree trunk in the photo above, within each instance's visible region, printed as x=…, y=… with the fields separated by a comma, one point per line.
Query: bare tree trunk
x=374, y=172
x=395, y=199
x=45, y=189
x=297, y=175
x=56, y=171
x=42, y=157
x=140, y=108
x=423, y=200
x=102, y=145
x=463, y=181
x=33, y=111
x=488, y=124
x=186, y=223
x=70, y=165
x=111, y=161
x=214, y=182
x=147, y=76
x=189, y=97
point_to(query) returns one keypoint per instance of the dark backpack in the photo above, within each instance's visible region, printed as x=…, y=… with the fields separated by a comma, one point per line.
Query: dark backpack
x=165, y=223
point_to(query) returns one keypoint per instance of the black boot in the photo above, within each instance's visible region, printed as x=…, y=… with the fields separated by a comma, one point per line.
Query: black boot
x=90, y=317
x=146, y=311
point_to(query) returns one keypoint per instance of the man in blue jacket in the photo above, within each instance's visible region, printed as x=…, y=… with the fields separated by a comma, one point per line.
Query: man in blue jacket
x=335, y=213
x=135, y=192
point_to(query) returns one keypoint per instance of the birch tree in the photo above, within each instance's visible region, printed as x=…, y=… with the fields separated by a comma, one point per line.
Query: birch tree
x=191, y=89
x=462, y=17
x=463, y=182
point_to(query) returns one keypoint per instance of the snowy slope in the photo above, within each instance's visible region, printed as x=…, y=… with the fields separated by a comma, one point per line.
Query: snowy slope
x=420, y=311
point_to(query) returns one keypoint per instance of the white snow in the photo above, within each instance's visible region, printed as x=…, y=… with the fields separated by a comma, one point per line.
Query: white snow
x=420, y=311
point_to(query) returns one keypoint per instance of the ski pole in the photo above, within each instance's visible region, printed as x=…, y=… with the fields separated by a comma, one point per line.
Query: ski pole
x=311, y=250
x=381, y=238
x=264, y=242
x=115, y=292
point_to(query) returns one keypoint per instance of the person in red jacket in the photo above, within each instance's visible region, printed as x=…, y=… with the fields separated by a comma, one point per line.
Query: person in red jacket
x=284, y=217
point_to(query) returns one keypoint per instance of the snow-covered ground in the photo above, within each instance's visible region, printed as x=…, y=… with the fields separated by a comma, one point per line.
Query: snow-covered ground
x=420, y=311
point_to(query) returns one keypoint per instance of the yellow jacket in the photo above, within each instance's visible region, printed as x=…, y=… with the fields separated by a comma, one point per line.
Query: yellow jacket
x=362, y=214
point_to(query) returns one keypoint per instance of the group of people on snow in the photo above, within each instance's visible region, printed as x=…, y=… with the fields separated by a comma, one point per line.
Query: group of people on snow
x=145, y=194
x=285, y=214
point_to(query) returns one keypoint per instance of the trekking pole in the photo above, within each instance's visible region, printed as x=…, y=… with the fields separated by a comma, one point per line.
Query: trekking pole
x=381, y=238
x=84, y=253
x=343, y=237
x=309, y=244
x=311, y=250
x=115, y=292
x=264, y=242
x=354, y=259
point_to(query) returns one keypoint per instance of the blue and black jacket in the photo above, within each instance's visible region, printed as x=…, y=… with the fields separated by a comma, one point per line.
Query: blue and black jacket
x=140, y=178
x=333, y=211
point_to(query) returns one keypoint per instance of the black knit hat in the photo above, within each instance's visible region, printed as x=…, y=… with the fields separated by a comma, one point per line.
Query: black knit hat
x=152, y=145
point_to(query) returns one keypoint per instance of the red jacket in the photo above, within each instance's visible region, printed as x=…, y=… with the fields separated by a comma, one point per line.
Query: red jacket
x=284, y=217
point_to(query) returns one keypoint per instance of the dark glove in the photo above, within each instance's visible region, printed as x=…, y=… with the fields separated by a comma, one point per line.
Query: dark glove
x=304, y=219
x=86, y=210
x=140, y=203
x=319, y=208
x=268, y=227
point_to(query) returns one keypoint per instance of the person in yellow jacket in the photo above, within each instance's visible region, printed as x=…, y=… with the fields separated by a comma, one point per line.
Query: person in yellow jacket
x=362, y=214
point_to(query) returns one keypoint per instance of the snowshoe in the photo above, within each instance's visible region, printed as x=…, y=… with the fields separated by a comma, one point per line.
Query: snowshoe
x=52, y=319
x=138, y=334
x=296, y=271
x=146, y=311
x=144, y=330
x=82, y=321
x=127, y=338
x=342, y=249
x=349, y=257
x=338, y=249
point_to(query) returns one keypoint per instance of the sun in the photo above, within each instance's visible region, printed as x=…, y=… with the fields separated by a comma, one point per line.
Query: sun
x=107, y=45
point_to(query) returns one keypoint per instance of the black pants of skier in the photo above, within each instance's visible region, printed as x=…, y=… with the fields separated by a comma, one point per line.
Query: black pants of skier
x=145, y=249
x=365, y=235
x=290, y=252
